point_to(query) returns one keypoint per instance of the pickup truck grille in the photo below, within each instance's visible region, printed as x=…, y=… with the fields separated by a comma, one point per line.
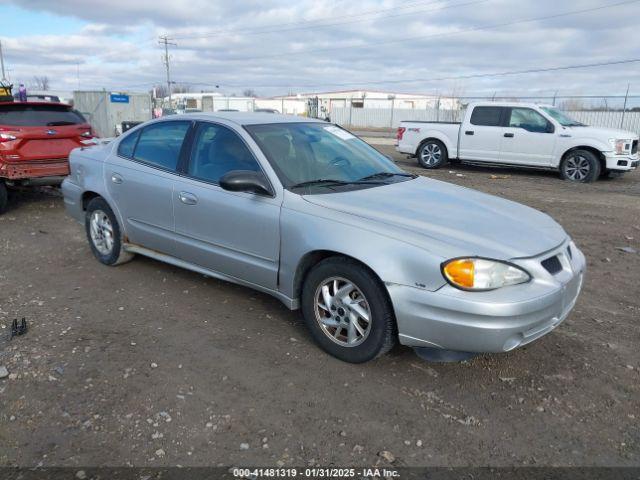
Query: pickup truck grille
x=552, y=265
x=634, y=147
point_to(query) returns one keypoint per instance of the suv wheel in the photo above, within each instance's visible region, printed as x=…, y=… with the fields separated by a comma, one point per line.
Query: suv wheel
x=4, y=197
x=580, y=166
x=348, y=311
x=432, y=154
x=103, y=233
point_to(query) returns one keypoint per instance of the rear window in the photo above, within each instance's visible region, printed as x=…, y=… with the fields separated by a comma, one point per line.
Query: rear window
x=28, y=115
x=486, y=116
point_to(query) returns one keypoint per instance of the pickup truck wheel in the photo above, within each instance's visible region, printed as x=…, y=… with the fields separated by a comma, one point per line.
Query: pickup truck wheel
x=348, y=311
x=4, y=197
x=103, y=233
x=580, y=166
x=432, y=154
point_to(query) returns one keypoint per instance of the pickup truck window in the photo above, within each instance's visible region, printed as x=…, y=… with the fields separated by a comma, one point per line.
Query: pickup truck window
x=487, y=116
x=529, y=120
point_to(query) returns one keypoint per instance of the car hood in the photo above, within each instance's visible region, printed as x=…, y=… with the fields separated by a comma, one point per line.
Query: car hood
x=602, y=134
x=448, y=219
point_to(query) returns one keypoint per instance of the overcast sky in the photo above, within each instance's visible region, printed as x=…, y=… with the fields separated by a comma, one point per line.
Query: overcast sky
x=277, y=46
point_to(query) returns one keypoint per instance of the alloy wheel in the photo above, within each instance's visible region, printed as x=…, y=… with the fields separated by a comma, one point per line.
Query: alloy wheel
x=101, y=232
x=431, y=154
x=577, y=168
x=342, y=311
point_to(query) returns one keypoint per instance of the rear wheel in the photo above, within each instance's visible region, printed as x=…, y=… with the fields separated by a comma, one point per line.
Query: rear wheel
x=4, y=197
x=432, y=154
x=103, y=233
x=348, y=311
x=580, y=166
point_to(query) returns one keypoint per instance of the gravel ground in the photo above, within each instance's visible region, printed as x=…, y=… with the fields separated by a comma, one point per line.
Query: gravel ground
x=150, y=365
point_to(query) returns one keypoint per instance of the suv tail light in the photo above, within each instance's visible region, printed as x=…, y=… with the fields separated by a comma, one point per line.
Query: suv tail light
x=5, y=137
x=400, y=133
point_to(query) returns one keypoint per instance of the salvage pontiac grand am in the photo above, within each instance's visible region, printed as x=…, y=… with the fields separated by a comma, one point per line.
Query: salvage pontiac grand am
x=307, y=212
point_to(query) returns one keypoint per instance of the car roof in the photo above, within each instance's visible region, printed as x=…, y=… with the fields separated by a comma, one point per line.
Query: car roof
x=251, y=118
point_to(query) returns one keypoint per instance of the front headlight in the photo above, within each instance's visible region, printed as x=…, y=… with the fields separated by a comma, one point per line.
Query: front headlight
x=482, y=273
x=621, y=146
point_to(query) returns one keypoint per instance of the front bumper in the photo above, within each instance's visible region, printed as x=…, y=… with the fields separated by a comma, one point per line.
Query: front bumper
x=621, y=163
x=494, y=321
x=53, y=168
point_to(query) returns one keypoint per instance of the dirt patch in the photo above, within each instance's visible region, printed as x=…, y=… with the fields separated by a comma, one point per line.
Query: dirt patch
x=147, y=364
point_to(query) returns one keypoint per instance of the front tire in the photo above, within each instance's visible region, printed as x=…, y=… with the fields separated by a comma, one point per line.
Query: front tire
x=580, y=166
x=104, y=234
x=4, y=197
x=348, y=311
x=432, y=154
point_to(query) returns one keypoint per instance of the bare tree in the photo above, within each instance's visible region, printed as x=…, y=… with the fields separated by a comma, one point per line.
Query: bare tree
x=249, y=92
x=41, y=83
x=161, y=90
x=182, y=88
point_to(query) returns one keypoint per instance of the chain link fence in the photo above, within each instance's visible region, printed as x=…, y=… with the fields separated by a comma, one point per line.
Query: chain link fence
x=620, y=112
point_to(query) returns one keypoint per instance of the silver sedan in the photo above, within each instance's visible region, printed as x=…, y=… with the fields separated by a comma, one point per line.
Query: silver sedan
x=307, y=212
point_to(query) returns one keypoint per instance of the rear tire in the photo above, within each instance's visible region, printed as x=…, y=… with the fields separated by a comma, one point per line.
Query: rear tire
x=432, y=154
x=4, y=197
x=580, y=166
x=104, y=234
x=348, y=311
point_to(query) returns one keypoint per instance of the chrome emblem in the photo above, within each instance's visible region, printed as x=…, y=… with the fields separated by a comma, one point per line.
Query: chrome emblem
x=51, y=132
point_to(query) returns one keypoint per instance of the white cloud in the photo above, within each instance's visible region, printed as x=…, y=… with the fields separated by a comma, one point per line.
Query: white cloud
x=118, y=46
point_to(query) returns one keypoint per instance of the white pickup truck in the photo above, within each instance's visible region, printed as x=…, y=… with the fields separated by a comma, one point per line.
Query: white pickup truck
x=523, y=134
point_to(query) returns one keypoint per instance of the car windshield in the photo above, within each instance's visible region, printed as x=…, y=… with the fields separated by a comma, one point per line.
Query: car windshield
x=323, y=157
x=30, y=115
x=561, y=118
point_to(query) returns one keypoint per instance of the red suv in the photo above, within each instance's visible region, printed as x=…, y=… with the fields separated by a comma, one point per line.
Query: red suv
x=35, y=141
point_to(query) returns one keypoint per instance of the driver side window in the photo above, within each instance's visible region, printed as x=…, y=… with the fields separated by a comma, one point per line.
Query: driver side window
x=529, y=120
x=217, y=151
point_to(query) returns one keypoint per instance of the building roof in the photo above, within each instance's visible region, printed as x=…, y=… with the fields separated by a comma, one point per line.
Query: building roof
x=355, y=90
x=248, y=118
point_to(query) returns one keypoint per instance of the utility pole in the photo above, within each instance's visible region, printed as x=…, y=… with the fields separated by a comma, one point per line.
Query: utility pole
x=164, y=40
x=4, y=76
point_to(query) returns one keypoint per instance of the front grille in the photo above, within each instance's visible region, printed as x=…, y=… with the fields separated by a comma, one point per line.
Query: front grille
x=552, y=265
x=634, y=147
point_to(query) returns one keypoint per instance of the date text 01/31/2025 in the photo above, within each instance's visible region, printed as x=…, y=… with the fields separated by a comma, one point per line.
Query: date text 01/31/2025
x=315, y=472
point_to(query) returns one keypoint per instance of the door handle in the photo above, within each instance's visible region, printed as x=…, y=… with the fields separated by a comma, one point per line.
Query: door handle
x=469, y=132
x=509, y=135
x=188, y=198
x=115, y=178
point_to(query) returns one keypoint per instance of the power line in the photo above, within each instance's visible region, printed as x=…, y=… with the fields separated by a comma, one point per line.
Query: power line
x=303, y=24
x=445, y=34
x=437, y=79
x=164, y=40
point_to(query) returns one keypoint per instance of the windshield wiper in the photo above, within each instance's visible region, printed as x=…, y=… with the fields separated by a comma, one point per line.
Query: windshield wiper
x=332, y=182
x=388, y=175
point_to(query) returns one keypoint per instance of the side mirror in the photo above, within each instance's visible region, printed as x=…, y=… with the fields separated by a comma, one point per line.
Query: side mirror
x=246, y=181
x=550, y=128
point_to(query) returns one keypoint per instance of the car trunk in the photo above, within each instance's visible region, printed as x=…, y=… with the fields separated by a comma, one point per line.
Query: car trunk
x=37, y=132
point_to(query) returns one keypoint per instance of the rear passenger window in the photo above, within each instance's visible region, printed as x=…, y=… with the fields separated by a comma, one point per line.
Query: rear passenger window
x=159, y=144
x=486, y=116
x=127, y=144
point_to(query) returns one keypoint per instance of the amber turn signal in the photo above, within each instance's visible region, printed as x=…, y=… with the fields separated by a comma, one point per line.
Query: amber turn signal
x=460, y=272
